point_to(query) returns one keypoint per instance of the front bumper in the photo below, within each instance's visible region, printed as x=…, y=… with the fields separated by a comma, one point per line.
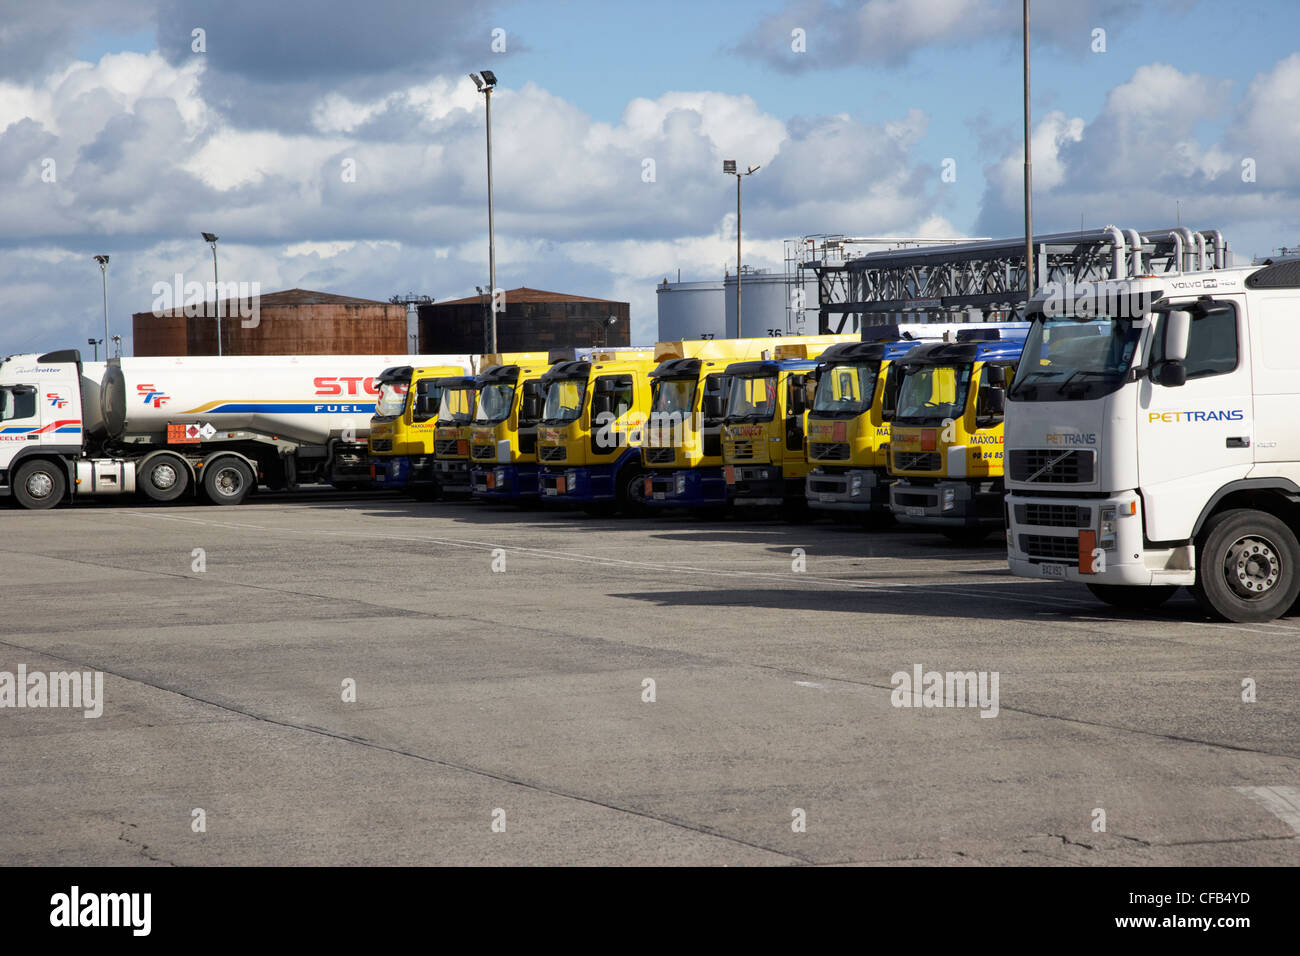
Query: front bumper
x=849, y=489
x=686, y=488
x=948, y=504
x=757, y=484
x=390, y=471
x=582, y=483
x=505, y=482
x=452, y=475
x=1054, y=548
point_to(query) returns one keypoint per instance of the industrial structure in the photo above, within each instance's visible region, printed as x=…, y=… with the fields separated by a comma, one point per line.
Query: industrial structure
x=291, y=322
x=529, y=320
x=986, y=278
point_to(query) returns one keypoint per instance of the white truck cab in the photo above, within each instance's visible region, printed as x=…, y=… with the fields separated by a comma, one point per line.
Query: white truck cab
x=1153, y=440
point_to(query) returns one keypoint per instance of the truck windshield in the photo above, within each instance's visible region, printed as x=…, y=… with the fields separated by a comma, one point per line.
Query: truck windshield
x=564, y=400
x=845, y=391
x=392, y=399
x=494, y=403
x=1075, y=358
x=672, y=395
x=457, y=405
x=931, y=394
x=752, y=399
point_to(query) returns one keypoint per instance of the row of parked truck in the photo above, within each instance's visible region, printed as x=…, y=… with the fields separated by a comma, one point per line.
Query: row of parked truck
x=1136, y=438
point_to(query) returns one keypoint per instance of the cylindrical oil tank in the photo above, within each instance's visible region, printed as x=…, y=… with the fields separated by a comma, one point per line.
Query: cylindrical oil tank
x=690, y=310
x=307, y=398
x=771, y=303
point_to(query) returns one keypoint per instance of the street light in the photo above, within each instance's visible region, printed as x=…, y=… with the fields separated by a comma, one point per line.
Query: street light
x=94, y=343
x=117, y=346
x=211, y=240
x=1029, y=189
x=605, y=324
x=103, y=274
x=486, y=82
x=729, y=169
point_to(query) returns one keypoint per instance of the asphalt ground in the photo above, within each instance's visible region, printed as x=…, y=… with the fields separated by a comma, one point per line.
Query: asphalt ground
x=538, y=687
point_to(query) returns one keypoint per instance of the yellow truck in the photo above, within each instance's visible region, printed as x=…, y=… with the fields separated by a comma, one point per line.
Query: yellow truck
x=451, y=434
x=503, y=432
x=763, y=453
x=946, y=436
x=402, y=428
x=682, y=454
x=590, y=433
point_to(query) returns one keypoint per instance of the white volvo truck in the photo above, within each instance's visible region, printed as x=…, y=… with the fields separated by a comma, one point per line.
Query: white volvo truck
x=1153, y=441
x=169, y=428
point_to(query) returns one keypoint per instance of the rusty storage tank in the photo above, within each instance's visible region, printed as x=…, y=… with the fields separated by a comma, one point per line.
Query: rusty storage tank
x=534, y=320
x=292, y=322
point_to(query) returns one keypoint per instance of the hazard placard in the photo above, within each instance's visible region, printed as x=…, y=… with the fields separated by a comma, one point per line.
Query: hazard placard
x=178, y=434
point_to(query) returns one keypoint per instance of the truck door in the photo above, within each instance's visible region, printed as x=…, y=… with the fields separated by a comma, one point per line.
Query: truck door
x=1196, y=437
x=20, y=421
x=795, y=399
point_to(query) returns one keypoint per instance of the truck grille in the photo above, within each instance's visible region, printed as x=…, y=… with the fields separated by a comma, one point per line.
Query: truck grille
x=829, y=451
x=381, y=444
x=916, y=461
x=1049, y=546
x=742, y=449
x=1049, y=466
x=482, y=452
x=552, y=453
x=1054, y=516
x=444, y=446
x=825, y=485
x=659, y=456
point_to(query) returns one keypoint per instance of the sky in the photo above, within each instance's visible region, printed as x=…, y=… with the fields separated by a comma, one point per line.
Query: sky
x=340, y=147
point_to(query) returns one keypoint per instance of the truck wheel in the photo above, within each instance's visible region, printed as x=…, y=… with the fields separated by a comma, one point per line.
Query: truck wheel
x=164, y=478
x=227, y=481
x=1133, y=598
x=39, y=484
x=1246, y=567
x=630, y=491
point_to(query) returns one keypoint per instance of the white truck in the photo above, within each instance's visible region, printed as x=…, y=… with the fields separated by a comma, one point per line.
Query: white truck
x=1153, y=440
x=168, y=428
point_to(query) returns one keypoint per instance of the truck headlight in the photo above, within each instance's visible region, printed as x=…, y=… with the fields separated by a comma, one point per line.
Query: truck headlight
x=570, y=480
x=949, y=498
x=855, y=485
x=1106, y=529
x=499, y=477
x=680, y=484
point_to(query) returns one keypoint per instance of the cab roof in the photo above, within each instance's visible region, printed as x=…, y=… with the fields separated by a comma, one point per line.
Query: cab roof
x=456, y=381
x=869, y=351
x=766, y=367
x=959, y=353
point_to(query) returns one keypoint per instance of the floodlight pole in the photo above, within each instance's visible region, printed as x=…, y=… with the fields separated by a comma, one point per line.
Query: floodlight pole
x=1029, y=196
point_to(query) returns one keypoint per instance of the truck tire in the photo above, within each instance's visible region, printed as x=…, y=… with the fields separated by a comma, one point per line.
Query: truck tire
x=164, y=477
x=40, y=484
x=1247, y=565
x=1135, y=598
x=226, y=481
x=629, y=488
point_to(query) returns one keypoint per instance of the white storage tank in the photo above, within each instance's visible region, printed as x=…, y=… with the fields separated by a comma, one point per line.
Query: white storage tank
x=691, y=310
x=769, y=304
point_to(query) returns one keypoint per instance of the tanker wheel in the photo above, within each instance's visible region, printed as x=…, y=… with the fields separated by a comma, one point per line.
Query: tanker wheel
x=38, y=485
x=164, y=478
x=227, y=481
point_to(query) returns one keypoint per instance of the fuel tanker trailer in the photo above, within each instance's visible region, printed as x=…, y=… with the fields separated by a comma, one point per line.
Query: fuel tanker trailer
x=172, y=428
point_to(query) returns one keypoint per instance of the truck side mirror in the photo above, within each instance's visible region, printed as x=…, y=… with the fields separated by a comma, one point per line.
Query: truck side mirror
x=530, y=408
x=995, y=375
x=889, y=399
x=602, y=403
x=1178, y=329
x=712, y=407
x=992, y=402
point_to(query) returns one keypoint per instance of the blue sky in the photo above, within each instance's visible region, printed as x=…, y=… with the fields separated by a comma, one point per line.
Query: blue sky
x=154, y=142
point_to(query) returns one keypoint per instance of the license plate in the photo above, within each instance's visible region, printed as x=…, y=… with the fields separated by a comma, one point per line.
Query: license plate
x=659, y=496
x=549, y=491
x=916, y=512
x=559, y=486
x=825, y=497
x=1052, y=570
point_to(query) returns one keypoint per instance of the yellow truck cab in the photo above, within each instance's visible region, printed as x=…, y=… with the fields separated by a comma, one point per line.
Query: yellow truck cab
x=451, y=435
x=946, y=436
x=503, y=432
x=589, y=437
x=682, y=454
x=402, y=428
x=848, y=425
x=763, y=451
